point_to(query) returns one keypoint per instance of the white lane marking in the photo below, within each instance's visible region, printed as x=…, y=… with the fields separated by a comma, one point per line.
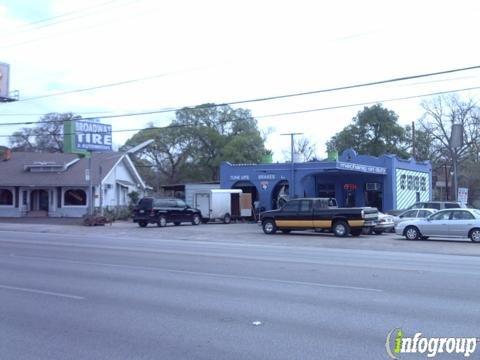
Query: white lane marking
x=201, y=273
x=42, y=292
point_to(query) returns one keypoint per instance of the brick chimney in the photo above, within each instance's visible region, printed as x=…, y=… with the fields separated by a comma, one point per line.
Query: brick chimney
x=7, y=154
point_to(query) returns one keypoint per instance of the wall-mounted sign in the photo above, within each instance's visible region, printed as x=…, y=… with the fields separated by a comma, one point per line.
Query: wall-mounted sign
x=264, y=185
x=266, y=177
x=93, y=136
x=361, y=168
x=350, y=187
x=412, y=186
x=239, y=177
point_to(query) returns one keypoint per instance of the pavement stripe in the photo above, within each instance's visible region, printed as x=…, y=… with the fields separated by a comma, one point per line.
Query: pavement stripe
x=42, y=292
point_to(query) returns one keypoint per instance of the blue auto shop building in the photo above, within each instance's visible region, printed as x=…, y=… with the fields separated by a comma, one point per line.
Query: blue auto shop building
x=386, y=182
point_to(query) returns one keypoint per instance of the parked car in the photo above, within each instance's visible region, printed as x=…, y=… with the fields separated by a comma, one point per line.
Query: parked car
x=318, y=214
x=163, y=211
x=444, y=223
x=413, y=214
x=384, y=223
x=439, y=205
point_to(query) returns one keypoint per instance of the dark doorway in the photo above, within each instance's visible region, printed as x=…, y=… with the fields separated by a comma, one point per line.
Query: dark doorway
x=374, y=199
x=39, y=200
x=280, y=194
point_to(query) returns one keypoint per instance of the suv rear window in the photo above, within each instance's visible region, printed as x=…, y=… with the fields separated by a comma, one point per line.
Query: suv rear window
x=145, y=203
x=451, y=206
x=433, y=206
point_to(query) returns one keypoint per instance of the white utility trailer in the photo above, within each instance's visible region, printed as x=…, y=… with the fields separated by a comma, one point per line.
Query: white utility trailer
x=223, y=204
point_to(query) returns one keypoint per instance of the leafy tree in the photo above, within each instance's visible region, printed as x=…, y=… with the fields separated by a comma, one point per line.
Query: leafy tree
x=221, y=133
x=197, y=141
x=167, y=156
x=375, y=131
x=46, y=136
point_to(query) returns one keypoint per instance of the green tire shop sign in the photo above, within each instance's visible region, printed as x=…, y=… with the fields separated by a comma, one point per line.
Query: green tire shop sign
x=82, y=136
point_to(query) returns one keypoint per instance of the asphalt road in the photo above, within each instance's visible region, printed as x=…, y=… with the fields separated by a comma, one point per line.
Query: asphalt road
x=75, y=295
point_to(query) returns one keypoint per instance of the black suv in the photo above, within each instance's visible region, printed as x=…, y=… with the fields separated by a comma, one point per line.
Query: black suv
x=163, y=211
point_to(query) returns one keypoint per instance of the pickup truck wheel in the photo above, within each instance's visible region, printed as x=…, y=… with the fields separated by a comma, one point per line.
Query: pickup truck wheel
x=142, y=223
x=356, y=232
x=162, y=221
x=196, y=219
x=341, y=228
x=269, y=226
x=227, y=219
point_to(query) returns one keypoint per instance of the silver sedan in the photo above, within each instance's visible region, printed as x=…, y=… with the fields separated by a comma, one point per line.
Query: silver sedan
x=464, y=223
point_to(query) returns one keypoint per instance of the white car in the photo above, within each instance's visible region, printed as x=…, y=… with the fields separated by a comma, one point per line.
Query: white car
x=385, y=223
x=413, y=214
x=464, y=223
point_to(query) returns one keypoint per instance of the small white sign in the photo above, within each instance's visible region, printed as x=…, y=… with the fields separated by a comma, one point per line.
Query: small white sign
x=462, y=195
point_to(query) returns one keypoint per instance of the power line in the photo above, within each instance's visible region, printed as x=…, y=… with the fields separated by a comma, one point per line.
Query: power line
x=269, y=98
x=368, y=103
x=46, y=20
x=171, y=126
x=34, y=28
x=206, y=106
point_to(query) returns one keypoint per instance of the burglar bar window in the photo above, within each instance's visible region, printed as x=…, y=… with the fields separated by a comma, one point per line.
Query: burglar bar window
x=75, y=197
x=6, y=197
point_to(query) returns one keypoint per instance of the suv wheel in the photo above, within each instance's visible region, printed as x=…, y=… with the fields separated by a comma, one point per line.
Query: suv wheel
x=341, y=228
x=196, y=219
x=269, y=227
x=162, y=221
x=142, y=223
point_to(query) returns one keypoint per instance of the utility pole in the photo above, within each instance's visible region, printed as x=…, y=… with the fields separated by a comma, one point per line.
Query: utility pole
x=413, y=139
x=292, y=177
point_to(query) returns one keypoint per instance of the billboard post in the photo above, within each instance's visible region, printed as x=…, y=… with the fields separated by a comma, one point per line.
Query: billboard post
x=84, y=137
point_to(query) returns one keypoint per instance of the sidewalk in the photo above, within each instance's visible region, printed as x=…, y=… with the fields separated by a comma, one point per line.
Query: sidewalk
x=41, y=221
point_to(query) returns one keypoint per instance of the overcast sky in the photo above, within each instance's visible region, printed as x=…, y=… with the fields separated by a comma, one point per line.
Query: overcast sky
x=222, y=51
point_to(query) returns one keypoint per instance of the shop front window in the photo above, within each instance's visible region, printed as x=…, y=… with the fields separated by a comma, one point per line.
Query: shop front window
x=6, y=197
x=75, y=197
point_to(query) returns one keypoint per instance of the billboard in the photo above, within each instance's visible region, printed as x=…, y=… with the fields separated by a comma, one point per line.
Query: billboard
x=4, y=75
x=93, y=136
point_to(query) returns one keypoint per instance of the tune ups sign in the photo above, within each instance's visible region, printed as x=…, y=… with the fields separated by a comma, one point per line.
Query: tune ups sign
x=87, y=135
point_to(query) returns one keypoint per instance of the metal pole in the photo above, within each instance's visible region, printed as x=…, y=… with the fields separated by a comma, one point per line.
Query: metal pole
x=455, y=175
x=413, y=139
x=100, y=170
x=292, y=176
x=90, y=185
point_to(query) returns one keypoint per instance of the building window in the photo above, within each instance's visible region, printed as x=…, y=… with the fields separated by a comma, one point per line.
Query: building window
x=6, y=197
x=75, y=197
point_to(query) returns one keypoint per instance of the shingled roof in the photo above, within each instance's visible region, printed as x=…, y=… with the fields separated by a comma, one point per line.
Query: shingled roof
x=68, y=169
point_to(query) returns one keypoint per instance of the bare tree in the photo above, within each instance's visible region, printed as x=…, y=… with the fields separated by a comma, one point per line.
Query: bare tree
x=304, y=150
